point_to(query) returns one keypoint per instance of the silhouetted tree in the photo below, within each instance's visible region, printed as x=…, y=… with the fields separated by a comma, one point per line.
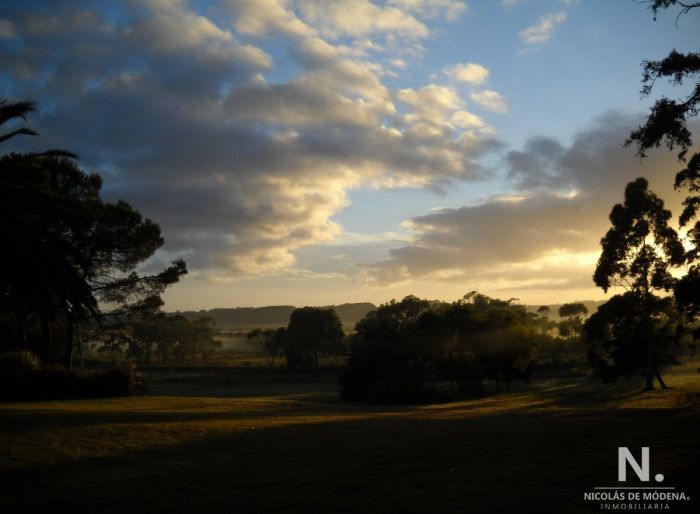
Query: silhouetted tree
x=397, y=345
x=667, y=124
x=624, y=340
x=272, y=340
x=71, y=256
x=145, y=336
x=500, y=333
x=572, y=324
x=311, y=332
x=569, y=310
x=386, y=362
x=638, y=252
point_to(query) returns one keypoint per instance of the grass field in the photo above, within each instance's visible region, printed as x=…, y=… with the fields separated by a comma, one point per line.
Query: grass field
x=268, y=444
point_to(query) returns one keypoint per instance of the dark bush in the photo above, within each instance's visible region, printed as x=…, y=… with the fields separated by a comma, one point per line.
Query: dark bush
x=113, y=383
x=382, y=373
x=53, y=384
x=17, y=369
x=466, y=371
x=22, y=379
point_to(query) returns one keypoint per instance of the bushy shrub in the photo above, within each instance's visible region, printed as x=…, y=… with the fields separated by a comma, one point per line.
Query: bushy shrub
x=53, y=384
x=17, y=371
x=22, y=378
x=114, y=383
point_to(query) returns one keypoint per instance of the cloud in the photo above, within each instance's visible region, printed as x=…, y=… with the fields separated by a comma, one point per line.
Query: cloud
x=7, y=29
x=430, y=104
x=243, y=161
x=263, y=17
x=543, y=30
x=336, y=18
x=545, y=234
x=469, y=72
x=450, y=9
x=467, y=119
x=490, y=100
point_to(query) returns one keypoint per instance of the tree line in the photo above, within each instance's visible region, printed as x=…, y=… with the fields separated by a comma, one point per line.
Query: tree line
x=160, y=337
x=398, y=348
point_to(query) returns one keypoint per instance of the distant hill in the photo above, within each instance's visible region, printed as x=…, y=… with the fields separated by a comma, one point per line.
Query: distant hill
x=591, y=305
x=276, y=315
x=246, y=318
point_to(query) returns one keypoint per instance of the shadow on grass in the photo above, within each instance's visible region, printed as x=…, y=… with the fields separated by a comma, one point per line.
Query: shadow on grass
x=518, y=461
x=545, y=395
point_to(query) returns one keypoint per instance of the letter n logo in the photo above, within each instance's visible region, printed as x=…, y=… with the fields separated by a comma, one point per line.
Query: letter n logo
x=624, y=457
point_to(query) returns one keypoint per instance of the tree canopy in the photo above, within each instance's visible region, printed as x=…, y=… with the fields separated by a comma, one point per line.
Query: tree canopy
x=667, y=124
x=640, y=247
x=397, y=346
x=71, y=257
x=631, y=333
x=312, y=332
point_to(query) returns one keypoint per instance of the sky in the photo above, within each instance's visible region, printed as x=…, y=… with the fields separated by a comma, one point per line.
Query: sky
x=316, y=152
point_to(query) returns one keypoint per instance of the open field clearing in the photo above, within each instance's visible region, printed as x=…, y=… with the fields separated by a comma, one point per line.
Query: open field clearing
x=537, y=448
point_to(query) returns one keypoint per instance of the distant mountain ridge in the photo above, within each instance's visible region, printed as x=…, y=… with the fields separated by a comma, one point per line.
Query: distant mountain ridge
x=276, y=315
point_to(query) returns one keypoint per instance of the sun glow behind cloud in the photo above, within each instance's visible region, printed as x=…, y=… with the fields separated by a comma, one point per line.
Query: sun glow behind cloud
x=247, y=127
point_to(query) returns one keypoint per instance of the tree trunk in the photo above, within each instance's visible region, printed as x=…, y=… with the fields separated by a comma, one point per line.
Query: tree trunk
x=21, y=329
x=650, y=367
x=650, y=382
x=47, y=336
x=658, y=377
x=80, y=348
x=70, y=329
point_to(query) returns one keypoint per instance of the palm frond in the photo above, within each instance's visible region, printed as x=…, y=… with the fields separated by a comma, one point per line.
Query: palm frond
x=23, y=130
x=9, y=111
x=51, y=153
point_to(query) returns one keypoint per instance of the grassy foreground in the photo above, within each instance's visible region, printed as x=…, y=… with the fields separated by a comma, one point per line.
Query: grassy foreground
x=535, y=449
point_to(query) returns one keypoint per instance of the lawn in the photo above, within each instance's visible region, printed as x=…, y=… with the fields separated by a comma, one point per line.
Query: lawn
x=293, y=447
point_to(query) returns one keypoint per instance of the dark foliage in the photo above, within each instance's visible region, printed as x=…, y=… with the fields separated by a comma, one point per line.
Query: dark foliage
x=398, y=347
x=22, y=379
x=312, y=332
x=629, y=336
x=631, y=333
x=667, y=124
x=70, y=257
x=144, y=337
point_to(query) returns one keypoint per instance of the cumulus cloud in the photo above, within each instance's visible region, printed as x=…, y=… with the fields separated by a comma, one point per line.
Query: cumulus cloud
x=186, y=117
x=543, y=235
x=263, y=17
x=335, y=18
x=450, y=9
x=542, y=31
x=468, y=72
x=490, y=100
